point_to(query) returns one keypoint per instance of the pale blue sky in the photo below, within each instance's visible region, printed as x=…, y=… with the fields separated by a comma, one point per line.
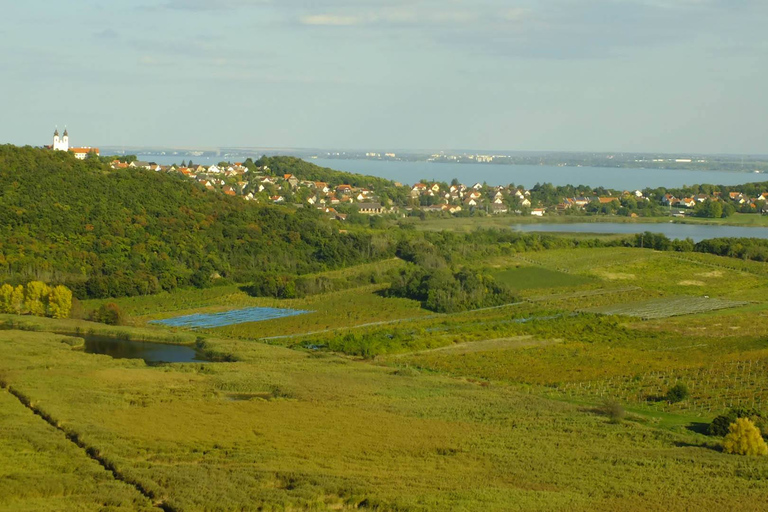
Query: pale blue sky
x=582, y=75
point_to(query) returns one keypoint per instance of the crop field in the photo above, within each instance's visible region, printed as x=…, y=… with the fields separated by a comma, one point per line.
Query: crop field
x=526, y=278
x=666, y=307
x=713, y=388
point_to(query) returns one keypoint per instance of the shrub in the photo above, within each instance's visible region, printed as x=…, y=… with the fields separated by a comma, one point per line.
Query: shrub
x=744, y=439
x=110, y=314
x=614, y=410
x=719, y=426
x=677, y=393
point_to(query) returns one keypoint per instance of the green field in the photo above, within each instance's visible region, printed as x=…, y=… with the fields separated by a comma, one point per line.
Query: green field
x=529, y=278
x=374, y=403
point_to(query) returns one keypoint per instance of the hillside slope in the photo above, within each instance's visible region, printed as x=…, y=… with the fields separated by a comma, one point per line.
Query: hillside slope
x=128, y=232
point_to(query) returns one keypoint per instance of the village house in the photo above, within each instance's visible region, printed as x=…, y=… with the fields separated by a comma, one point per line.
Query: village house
x=370, y=208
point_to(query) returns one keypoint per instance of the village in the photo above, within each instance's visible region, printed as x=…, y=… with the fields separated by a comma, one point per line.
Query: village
x=261, y=185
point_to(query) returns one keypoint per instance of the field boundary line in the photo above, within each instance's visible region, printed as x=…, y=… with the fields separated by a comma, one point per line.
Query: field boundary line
x=90, y=451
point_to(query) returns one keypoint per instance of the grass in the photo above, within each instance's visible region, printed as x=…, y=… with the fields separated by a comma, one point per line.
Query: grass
x=484, y=410
x=79, y=327
x=527, y=278
x=334, y=433
x=42, y=470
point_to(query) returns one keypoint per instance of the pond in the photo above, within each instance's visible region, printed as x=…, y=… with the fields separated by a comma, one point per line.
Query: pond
x=235, y=316
x=148, y=351
x=696, y=232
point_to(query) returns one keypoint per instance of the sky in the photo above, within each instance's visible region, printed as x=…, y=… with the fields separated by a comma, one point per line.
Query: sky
x=550, y=75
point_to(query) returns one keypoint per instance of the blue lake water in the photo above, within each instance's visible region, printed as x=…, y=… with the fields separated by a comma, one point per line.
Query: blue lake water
x=529, y=175
x=235, y=316
x=696, y=232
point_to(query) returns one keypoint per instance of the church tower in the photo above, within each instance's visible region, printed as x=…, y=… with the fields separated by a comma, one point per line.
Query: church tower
x=60, y=144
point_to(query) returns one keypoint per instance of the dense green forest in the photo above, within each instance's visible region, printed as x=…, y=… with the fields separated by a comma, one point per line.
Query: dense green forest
x=386, y=190
x=105, y=232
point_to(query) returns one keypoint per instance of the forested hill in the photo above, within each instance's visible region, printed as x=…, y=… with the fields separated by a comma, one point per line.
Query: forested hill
x=280, y=165
x=124, y=232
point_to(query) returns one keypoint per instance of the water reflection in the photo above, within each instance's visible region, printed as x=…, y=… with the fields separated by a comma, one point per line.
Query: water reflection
x=148, y=351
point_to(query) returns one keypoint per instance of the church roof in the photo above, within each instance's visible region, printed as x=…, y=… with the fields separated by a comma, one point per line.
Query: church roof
x=56, y=133
x=65, y=132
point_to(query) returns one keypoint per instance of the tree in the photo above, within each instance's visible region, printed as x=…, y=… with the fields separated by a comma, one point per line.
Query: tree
x=17, y=300
x=677, y=393
x=6, y=291
x=36, y=298
x=59, y=302
x=744, y=439
x=109, y=313
x=721, y=424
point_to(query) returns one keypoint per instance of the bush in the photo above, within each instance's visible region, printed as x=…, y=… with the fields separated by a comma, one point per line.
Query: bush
x=744, y=439
x=677, y=393
x=614, y=410
x=110, y=314
x=719, y=426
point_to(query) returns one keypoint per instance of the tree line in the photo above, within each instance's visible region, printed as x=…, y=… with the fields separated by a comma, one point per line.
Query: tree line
x=36, y=298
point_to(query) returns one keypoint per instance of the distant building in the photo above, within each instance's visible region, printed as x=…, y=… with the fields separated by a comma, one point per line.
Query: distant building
x=62, y=144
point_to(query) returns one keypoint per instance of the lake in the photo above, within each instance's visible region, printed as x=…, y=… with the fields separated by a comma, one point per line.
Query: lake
x=529, y=175
x=696, y=232
x=148, y=351
x=235, y=316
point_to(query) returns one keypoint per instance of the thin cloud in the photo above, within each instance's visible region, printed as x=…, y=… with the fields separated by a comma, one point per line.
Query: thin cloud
x=331, y=20
x=212, y=5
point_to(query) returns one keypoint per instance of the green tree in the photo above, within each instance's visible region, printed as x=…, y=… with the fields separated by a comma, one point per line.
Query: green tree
x=744, y=439
x=36, y=298
x=59, y=302
x=677, y=393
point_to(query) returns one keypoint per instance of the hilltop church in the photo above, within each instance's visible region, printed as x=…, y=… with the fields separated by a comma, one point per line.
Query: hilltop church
x=62, y=144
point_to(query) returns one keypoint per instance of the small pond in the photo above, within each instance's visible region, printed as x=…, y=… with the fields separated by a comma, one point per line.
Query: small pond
x=146, y=350
x=235, y=316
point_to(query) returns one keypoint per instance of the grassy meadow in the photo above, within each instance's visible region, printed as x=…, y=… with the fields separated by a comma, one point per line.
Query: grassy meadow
x=373, y=403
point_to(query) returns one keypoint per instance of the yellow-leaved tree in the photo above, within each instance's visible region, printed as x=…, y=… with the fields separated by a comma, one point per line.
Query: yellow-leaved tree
x=59, y=302
x=6, y=291
x=36, y=298
x=744, y=438
x=17, y=300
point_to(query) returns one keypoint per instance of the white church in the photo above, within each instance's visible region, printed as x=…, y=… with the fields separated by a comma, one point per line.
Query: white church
x=62, y=144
